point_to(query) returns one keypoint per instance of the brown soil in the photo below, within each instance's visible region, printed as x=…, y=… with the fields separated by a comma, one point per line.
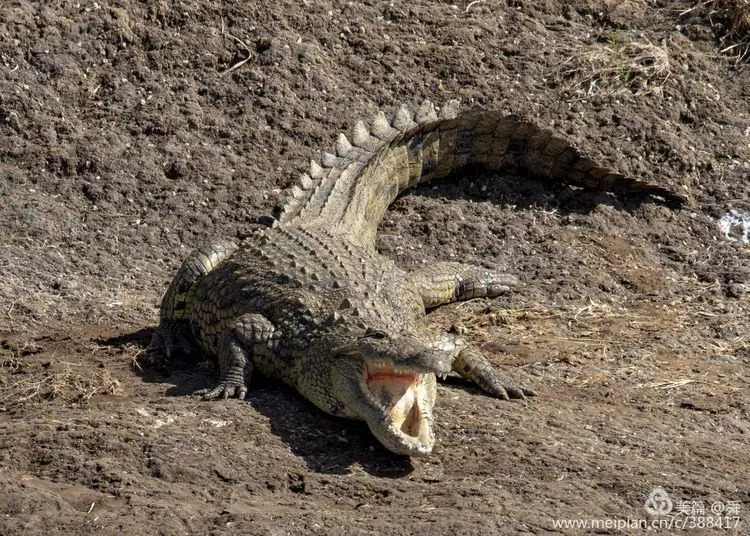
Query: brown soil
x=127, y=138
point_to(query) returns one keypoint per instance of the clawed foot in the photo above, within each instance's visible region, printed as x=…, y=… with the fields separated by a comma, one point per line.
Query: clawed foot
x=172, y=337
x=225, y=389
x=506, y=391
x=236, y=369
x=474, y=366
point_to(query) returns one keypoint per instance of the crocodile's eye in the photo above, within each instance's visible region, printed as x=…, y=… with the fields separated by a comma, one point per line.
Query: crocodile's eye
x=375, y=334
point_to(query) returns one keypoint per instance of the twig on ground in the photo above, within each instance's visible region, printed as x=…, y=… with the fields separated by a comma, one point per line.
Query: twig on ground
x=241, y=62
x=472, y=4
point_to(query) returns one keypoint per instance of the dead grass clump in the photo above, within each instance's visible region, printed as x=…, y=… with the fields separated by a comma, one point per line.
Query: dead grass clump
x=61, y=381
x=731, y=20
x=480, y=320
x=738, y=13
x=615, y=67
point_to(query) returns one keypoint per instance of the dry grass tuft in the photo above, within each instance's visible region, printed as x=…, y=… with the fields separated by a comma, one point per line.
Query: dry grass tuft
x=615, y=67
x=738, y=12
x=734, y=16
x=137, y=355
x=60, y=381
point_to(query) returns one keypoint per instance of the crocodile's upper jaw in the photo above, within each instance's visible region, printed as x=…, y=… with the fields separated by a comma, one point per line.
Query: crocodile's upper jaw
x=396, y=404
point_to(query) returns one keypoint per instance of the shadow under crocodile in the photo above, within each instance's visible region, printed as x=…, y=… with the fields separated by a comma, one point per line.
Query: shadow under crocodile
x=326, y=444
x=334, y=445
x=527, y=192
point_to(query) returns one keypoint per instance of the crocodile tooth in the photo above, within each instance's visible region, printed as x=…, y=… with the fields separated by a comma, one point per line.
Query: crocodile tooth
x=450, y=110
x=297, y=192
x=342, y=145
x=426, y=112
x=402, y=119
x=380, y=125
x=328, y=159
x=316, y=170
x=306, y=181
x=360, y=134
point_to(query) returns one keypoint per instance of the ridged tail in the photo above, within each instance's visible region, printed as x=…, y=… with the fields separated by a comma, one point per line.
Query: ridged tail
x=350, y=189
x=178, y=300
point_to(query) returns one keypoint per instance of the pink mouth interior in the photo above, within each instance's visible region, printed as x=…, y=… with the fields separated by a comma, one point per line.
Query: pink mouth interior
x=397, y=392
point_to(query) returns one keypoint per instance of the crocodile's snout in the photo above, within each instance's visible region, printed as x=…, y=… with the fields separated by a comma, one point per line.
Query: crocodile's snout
x=392, y=388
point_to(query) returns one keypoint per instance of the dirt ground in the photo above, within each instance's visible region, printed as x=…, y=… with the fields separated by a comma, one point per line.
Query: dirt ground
x=133, y=131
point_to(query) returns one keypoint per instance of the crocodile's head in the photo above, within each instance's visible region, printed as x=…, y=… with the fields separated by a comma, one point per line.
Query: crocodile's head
x=389, y=382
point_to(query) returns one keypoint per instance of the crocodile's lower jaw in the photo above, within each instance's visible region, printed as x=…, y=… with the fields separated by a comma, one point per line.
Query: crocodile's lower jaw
x=407, y=409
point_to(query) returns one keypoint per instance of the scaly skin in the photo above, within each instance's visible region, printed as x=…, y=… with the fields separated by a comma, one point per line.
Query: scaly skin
x=310, y=301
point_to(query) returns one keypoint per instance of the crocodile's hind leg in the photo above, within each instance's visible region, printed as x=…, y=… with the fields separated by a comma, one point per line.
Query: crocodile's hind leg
x=251, y=334
x=172, y=337
x=174, y=334
x=446, y=282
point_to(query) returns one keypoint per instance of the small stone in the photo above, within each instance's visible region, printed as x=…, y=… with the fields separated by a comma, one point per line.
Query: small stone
x=735, y=290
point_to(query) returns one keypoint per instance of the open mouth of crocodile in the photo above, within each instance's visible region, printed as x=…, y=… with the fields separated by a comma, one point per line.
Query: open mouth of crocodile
x=405, y=400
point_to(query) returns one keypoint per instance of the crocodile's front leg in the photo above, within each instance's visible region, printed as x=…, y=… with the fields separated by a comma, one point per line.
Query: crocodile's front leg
x=251, y=334
x=472, y=365
x=446, y=282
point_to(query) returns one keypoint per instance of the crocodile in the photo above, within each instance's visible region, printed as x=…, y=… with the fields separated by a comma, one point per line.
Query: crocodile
x=309, y=300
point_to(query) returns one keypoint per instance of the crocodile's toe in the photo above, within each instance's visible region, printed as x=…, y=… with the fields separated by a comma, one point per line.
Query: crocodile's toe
x=224, y=390
x=507, y=391
x=474, y=367
x=511, y=391
x=171, y=338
